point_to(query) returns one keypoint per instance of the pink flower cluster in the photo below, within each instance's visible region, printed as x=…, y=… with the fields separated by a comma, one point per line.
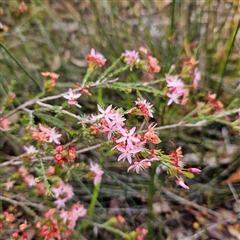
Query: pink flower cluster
x=176, y=87
x=70, y=217
x=45, y=134
x=62, y=193
x=131, y=145
x=28, y=178
x=127, y=141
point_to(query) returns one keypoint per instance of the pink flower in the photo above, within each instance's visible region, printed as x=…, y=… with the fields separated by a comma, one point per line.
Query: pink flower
x=96, y=58
x=131, y=57
x=30, y=180
x=196, y=78
x=60, y=202
x=176, y=86
x=128, y=137
x=9, y=184
x=97, y=171
x=64, y=215
x=180, y=182
x=154, y=67
x=30, y=150
x=174, y=97
x=5, y=124
x=46, y=133
x=68, y=191
x=22, y=171
x=117, y=120
x=78, y=210
x=140, y=165
x=144, y=107
x=71, y=97
x=174, y=83
x=54, y=136
x=127, y=153
x=65, y=190
x=106, y=114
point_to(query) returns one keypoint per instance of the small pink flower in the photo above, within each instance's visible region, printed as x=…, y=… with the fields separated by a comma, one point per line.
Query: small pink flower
x=117, y=120
x=54, y=136
x=60, y=202
x=96, y=58
x=127, y=136
x=50, y=171
x=64, y=215
x=106, y=114
x=174, y=97
x=181, y=183
x=5, y=124
x=144, y=107
x=174, y=83
x=65, y=190
x=154, y=67
x=30, y=180
x=71, y=97
x=97, y=171
x=30, y=150
x=9, y=184
x=140, y=165
x=22, y=171
x=196, y=78
x=131, y=57
x=78, y=210
x=127, y=153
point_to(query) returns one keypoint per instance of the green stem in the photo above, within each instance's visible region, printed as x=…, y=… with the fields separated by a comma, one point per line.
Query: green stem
x=223, y=64
x=94, y=199
x=172, y=28
x=100, y=94
x=20, y=65
x=46, y=183
x=109, y=69
x=89, y=71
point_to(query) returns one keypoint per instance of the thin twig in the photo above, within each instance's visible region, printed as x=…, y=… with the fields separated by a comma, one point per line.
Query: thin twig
x=23, y=203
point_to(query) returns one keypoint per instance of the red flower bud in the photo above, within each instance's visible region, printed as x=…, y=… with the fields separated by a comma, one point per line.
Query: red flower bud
x=71, y=154
x=59, y=148
x=58, y=157
x=61, y=163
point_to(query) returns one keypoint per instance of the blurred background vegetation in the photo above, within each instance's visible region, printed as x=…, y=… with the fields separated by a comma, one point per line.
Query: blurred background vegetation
x=57, y=35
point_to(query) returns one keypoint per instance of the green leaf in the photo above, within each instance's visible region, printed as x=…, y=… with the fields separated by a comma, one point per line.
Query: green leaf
x=50, y=119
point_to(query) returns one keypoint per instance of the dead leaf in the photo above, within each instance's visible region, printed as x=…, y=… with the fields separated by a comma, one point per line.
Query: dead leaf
x=234, y=230
x=235, y=177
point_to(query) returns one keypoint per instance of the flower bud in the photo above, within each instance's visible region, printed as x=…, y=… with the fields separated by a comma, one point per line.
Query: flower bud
x=59, y=148
x=50, y=171
x=194, y=170
x=58, y=157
